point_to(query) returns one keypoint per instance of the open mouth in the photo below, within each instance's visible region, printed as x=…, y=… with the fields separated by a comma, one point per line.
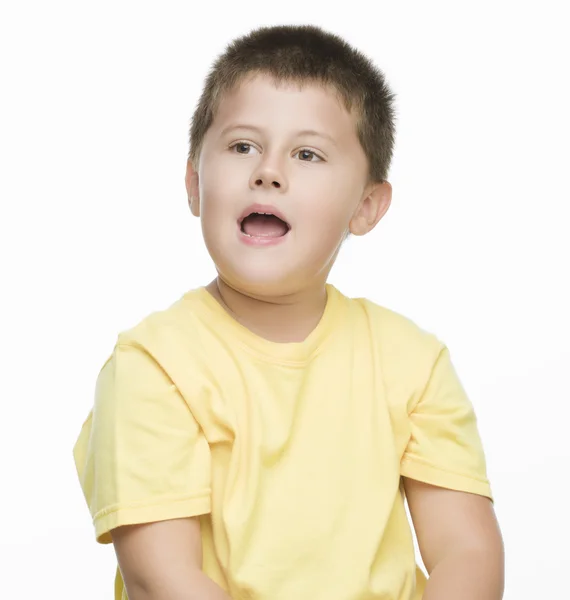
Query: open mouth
x=264, y=225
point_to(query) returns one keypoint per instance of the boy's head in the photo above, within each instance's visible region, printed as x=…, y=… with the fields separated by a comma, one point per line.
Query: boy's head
x=292, y=121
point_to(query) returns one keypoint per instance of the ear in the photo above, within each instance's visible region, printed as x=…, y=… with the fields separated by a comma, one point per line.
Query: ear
x=371, y=209
x=192, y=189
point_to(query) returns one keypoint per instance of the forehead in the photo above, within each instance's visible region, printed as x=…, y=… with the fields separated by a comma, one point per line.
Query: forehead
x=262, y=101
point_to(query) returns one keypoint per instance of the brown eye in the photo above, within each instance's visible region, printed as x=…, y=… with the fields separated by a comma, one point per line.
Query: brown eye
x=241, y=147
x=309, y=156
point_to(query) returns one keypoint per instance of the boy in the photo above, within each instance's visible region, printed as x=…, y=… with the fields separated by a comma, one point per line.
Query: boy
x=257, y=439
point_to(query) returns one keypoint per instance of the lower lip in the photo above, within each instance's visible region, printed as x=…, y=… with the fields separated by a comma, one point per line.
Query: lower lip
x=261, y=240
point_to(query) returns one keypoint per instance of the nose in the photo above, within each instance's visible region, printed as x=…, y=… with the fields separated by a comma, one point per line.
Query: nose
x=268, y=174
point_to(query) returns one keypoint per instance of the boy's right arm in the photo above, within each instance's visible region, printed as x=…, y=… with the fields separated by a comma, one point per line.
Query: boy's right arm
x=163, y=561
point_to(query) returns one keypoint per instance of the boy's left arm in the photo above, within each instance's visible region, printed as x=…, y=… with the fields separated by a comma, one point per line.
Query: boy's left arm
x=459, y=540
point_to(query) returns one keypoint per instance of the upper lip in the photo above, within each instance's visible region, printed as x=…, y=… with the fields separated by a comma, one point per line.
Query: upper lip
x=262, y=209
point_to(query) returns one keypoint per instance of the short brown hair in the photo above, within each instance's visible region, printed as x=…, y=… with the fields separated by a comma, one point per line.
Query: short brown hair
x=306, y=54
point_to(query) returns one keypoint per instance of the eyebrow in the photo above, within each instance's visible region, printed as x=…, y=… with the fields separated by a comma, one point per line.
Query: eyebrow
x=303, y=132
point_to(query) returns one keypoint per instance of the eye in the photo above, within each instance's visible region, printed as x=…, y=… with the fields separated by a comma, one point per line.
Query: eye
x=241, y=147
x=307, y=155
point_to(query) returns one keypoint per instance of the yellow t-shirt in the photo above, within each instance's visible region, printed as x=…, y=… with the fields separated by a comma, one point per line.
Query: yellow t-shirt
x=291, y=452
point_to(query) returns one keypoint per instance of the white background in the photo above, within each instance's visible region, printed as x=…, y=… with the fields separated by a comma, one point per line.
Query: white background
x=95, y=234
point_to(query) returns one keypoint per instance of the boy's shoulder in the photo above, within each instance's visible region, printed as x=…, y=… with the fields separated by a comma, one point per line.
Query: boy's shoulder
x=175, y=317
x=398, y=338
x=393, y=325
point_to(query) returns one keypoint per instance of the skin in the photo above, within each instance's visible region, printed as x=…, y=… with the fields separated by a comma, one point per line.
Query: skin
x=460, y=542
x=319, y=183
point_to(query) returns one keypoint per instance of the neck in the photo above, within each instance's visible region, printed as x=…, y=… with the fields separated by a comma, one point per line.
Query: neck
x=282, y=319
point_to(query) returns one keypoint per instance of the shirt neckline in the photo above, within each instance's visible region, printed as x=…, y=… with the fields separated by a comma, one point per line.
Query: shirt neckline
x=292, y=353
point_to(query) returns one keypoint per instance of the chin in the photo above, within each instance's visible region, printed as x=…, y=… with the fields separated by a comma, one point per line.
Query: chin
x=258, y=282
x=270, y=275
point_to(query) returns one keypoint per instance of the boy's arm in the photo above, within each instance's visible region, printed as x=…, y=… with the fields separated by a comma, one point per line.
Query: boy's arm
x=163, y=561
x=460, y=542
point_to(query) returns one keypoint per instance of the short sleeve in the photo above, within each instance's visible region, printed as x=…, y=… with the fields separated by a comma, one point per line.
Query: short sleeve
x=141, y=456
x=445, y=447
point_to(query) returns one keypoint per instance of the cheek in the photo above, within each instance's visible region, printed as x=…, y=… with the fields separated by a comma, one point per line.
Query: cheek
x=218, y=190
x=331, y=206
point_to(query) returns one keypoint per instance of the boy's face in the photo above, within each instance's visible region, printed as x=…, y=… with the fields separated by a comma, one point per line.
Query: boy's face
x=294, y=152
